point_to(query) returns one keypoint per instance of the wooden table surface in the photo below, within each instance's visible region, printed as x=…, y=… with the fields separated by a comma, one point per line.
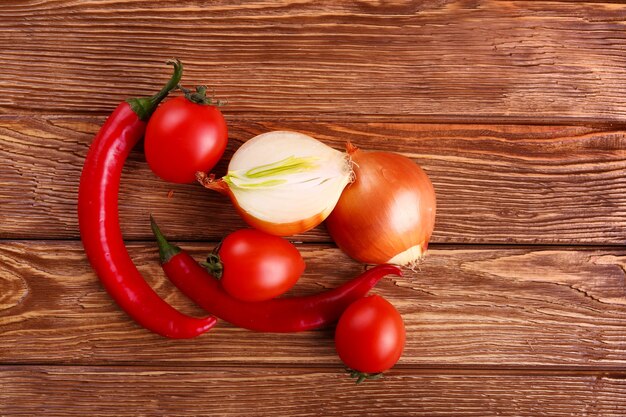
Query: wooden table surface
x=516, y=110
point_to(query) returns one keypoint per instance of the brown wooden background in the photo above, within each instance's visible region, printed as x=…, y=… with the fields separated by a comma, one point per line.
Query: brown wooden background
x=516, y=109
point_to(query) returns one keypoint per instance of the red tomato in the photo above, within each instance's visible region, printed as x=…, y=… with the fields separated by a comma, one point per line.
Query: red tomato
x=258, y=266
x=370, y=335
x=183, y=137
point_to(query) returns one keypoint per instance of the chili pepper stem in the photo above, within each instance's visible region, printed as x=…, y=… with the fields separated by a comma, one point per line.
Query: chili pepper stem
x=166, y=250
x=145, y=106
x=362, y=376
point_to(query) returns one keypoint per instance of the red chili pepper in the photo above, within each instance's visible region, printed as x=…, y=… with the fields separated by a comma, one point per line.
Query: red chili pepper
x=99, y=220
x=278, y=315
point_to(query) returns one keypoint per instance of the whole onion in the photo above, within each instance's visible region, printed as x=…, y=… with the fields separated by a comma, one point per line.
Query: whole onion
x=387, y=214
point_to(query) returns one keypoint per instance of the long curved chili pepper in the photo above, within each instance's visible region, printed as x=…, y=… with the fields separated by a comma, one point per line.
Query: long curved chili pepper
x=99, y=220
x=279, y=315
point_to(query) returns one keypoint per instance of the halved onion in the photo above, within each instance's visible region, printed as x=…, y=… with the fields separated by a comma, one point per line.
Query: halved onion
x=387, y=214
x=283, y=182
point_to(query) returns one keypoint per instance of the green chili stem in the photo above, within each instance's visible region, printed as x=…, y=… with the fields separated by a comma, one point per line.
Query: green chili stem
x=145, y=106
x=166, y=250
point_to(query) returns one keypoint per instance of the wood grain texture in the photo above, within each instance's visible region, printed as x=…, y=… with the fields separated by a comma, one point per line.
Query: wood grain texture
x=500, y=307
x=214, y=391
x=514, y=108
x=420, y=60
x=494, y=183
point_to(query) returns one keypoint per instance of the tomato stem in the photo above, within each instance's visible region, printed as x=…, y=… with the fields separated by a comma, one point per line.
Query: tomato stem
x=200, y=97
x=145, y=106
x=362, y=376
x=214, y=265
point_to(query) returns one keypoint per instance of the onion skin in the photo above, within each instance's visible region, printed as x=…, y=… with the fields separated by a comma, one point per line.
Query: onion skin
x=387, y=214
x=279, y=229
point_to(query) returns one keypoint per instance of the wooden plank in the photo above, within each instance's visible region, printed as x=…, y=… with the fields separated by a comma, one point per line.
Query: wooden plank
x=489, y=307
x=216, y=391
x=461, y=59
x=495, y=184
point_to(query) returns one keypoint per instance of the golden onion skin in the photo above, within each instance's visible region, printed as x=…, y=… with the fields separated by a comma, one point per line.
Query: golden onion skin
x=387, y=215
x=279, y=229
